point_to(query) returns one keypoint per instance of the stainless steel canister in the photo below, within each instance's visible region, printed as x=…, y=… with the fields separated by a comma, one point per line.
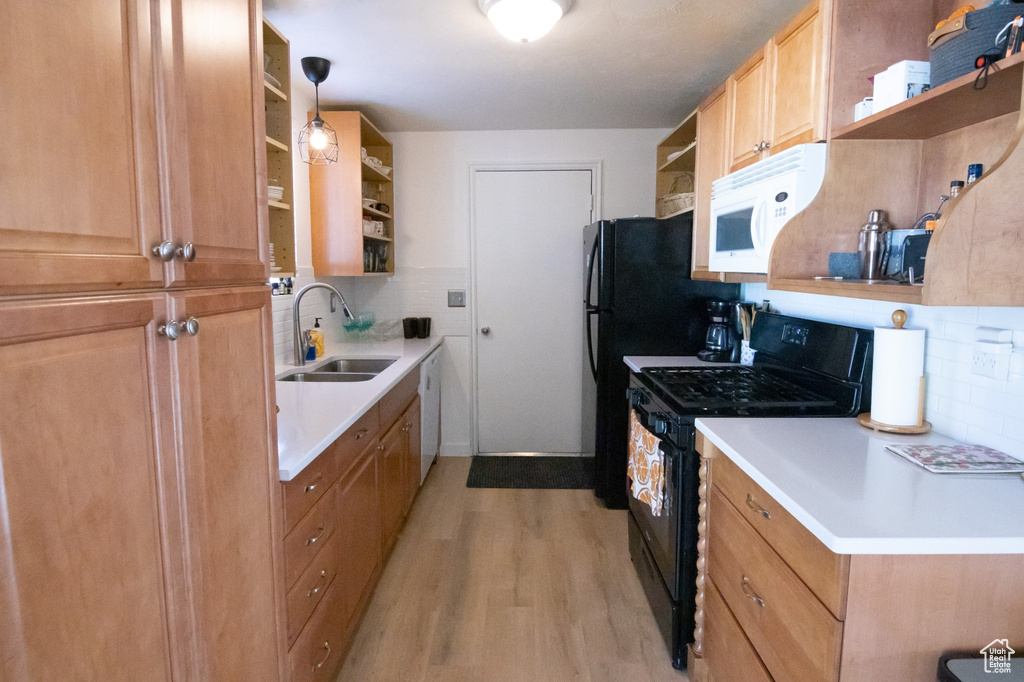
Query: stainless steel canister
x=874, y=246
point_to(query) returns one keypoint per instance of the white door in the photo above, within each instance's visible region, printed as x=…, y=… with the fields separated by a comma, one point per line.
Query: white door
x=529, y=344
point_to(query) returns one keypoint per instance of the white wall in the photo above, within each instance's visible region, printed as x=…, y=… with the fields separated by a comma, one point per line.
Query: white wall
x=432, y=225
x=958, y=403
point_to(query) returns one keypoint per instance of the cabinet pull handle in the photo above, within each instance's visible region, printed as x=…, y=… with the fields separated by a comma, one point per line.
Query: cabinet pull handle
x=322, y=529
x=164, y=251
x=312, y=486
x=766, y=145
x=757, y=508
x=186, y=252
x=191, y=326
x=361, y=432
x=171, y=329
x=757, y=147
x=748, y=591
x=408, y=425
x=381, y=448
x=320, y=586
x=327, y=645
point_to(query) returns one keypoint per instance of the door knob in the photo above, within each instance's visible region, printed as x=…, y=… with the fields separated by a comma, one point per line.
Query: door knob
x=172, y=330
x=186, y=251
x=485, y=330
x=164, y=251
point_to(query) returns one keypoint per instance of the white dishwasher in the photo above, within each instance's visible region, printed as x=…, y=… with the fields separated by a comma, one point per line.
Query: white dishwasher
x=430, y=411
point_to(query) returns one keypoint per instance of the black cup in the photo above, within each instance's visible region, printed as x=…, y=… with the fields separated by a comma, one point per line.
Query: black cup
x=410, y=327
x=422, y=327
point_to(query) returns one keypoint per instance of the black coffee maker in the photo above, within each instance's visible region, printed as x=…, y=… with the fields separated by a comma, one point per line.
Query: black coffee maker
x=722, y=341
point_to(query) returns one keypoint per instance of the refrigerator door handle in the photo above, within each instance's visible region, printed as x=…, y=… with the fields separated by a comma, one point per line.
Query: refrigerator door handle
x=590, y=273
x=590, y=344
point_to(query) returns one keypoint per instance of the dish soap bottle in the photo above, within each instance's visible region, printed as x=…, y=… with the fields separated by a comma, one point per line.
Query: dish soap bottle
x=317, y=335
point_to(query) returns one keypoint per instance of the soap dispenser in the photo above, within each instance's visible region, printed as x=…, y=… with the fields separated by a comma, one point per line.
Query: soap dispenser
x=317, y=335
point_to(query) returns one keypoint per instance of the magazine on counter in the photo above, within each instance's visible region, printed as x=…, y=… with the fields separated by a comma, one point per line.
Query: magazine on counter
x=959, y=459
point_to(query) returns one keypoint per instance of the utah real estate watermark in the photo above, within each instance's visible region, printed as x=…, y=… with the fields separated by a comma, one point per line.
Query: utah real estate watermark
x=997, y=656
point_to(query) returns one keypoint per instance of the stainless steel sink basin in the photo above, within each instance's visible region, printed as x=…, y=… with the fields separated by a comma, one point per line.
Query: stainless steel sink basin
x=320, y=375
x=362, y=365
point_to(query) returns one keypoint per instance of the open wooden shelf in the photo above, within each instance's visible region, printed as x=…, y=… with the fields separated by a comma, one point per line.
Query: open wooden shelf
x=951, y=106
x=673, y=215
x=278, y=204
x=879, y=291
x=374, y=175
x=375, y=212
x=273, y=93
x=683, y=162
x=376, y=238
x=275, y=145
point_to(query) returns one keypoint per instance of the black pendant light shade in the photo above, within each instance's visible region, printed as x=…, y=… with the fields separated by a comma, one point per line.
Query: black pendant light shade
x=318, y=143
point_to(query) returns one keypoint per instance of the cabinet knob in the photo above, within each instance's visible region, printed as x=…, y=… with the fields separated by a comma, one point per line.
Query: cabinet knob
x=191, y=326
x=171, y=329
x=485, y=330
x=164, y=251
x=186, y=252
x=757, y=147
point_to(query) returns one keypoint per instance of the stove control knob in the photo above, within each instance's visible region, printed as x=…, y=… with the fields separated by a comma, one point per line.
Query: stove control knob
x=659, y=423
x=637, y=398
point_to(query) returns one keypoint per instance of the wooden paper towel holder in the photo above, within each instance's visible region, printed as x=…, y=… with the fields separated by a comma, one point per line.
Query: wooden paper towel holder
x=899, y=318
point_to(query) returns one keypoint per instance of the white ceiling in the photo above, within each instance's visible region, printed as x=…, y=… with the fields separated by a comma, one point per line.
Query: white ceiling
x=414, y=65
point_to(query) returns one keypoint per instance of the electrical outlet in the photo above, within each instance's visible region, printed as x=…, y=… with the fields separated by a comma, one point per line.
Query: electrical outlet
x=992, y=359
x=456, y=298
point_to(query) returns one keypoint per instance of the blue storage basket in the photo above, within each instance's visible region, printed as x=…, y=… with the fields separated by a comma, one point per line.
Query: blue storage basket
x=955, y=56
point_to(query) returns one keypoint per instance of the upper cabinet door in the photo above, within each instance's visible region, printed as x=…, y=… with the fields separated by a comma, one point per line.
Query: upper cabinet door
x=748, y=91
x=234, y=526
x=79, y=170
x=88, y=541
x=712, y=134
x=217, y=149
x=800, y=71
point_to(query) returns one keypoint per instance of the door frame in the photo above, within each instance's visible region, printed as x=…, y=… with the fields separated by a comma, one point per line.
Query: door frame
x=595, y=168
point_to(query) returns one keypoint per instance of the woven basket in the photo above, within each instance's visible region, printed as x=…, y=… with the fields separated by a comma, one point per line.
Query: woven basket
x=674, y=203
x=954, y=57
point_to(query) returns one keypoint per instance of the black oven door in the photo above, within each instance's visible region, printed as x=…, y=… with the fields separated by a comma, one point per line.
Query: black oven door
x=661, y=532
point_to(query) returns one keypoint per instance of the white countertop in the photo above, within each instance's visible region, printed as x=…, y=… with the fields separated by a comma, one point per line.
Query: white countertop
x=839, y=481
x=638, y=362
x=313, y=415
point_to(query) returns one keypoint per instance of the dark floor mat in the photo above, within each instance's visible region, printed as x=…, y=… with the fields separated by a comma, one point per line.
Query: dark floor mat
x=504, y=471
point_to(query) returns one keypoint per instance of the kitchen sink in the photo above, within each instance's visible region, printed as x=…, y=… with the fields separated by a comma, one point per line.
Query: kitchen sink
x=320, y=376
x=359, y=365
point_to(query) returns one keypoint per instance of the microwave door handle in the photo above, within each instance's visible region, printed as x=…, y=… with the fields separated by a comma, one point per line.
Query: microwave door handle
x=759, y=226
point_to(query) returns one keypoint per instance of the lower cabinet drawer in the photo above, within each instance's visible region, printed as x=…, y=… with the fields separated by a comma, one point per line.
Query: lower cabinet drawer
x=795, y=636
x=306, y=540
x=727, y=651
x=393, y=404
x=311, y=587
x=317, y=654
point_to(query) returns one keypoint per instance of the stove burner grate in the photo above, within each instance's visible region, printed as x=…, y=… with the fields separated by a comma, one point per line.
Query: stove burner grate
x=723, y=387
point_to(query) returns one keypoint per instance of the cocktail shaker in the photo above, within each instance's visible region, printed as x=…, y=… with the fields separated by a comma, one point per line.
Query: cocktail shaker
x=874, y=246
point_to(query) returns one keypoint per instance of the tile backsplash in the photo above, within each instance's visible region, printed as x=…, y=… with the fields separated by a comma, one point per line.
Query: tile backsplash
x=958, y=403
x=411, y=292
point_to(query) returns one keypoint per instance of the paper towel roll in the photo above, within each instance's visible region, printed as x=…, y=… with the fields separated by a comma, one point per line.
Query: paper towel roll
x=896, y=376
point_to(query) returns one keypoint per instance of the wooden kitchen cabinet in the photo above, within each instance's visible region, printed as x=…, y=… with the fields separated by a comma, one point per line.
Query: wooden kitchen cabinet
x=225, y=383
x=748, y=102
x=712, y=138
x=79, y=174
x=394, y=449
x=217, y=133
x=413, y=467
x=90, y=500
x=799, y=93
x=774, y=602
x=779, y=97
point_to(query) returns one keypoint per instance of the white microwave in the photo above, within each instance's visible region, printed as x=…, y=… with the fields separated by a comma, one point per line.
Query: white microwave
x=749, y=207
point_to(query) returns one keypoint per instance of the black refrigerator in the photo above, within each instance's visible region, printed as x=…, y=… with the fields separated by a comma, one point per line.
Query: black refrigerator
x=639, y=300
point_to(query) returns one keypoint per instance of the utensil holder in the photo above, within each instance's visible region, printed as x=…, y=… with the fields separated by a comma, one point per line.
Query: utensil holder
x=746, y=353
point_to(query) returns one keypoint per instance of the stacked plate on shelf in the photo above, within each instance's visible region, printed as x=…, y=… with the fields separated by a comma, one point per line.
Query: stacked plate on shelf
x=273, y=261
x=275, y=192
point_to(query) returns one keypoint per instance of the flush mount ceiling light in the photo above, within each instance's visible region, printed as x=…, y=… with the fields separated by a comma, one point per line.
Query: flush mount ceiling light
x=318, y=143
x=524, y=20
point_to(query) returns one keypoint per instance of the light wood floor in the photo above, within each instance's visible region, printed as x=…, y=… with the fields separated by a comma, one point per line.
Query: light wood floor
x=505, y=585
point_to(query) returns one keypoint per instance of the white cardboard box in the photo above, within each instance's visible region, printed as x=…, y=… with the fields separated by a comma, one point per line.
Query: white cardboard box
x=900, y=82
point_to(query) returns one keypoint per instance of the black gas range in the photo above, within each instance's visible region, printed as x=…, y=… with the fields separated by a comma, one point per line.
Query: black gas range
x=802, y=368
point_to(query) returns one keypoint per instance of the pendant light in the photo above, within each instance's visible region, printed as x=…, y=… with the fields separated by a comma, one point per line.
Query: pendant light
x=524, y=20
x=318, y=143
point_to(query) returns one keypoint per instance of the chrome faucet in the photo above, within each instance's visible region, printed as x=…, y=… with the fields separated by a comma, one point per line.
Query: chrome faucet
x=301, y=345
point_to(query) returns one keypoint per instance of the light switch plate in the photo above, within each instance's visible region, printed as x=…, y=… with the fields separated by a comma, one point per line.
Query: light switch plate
x=456, y=298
